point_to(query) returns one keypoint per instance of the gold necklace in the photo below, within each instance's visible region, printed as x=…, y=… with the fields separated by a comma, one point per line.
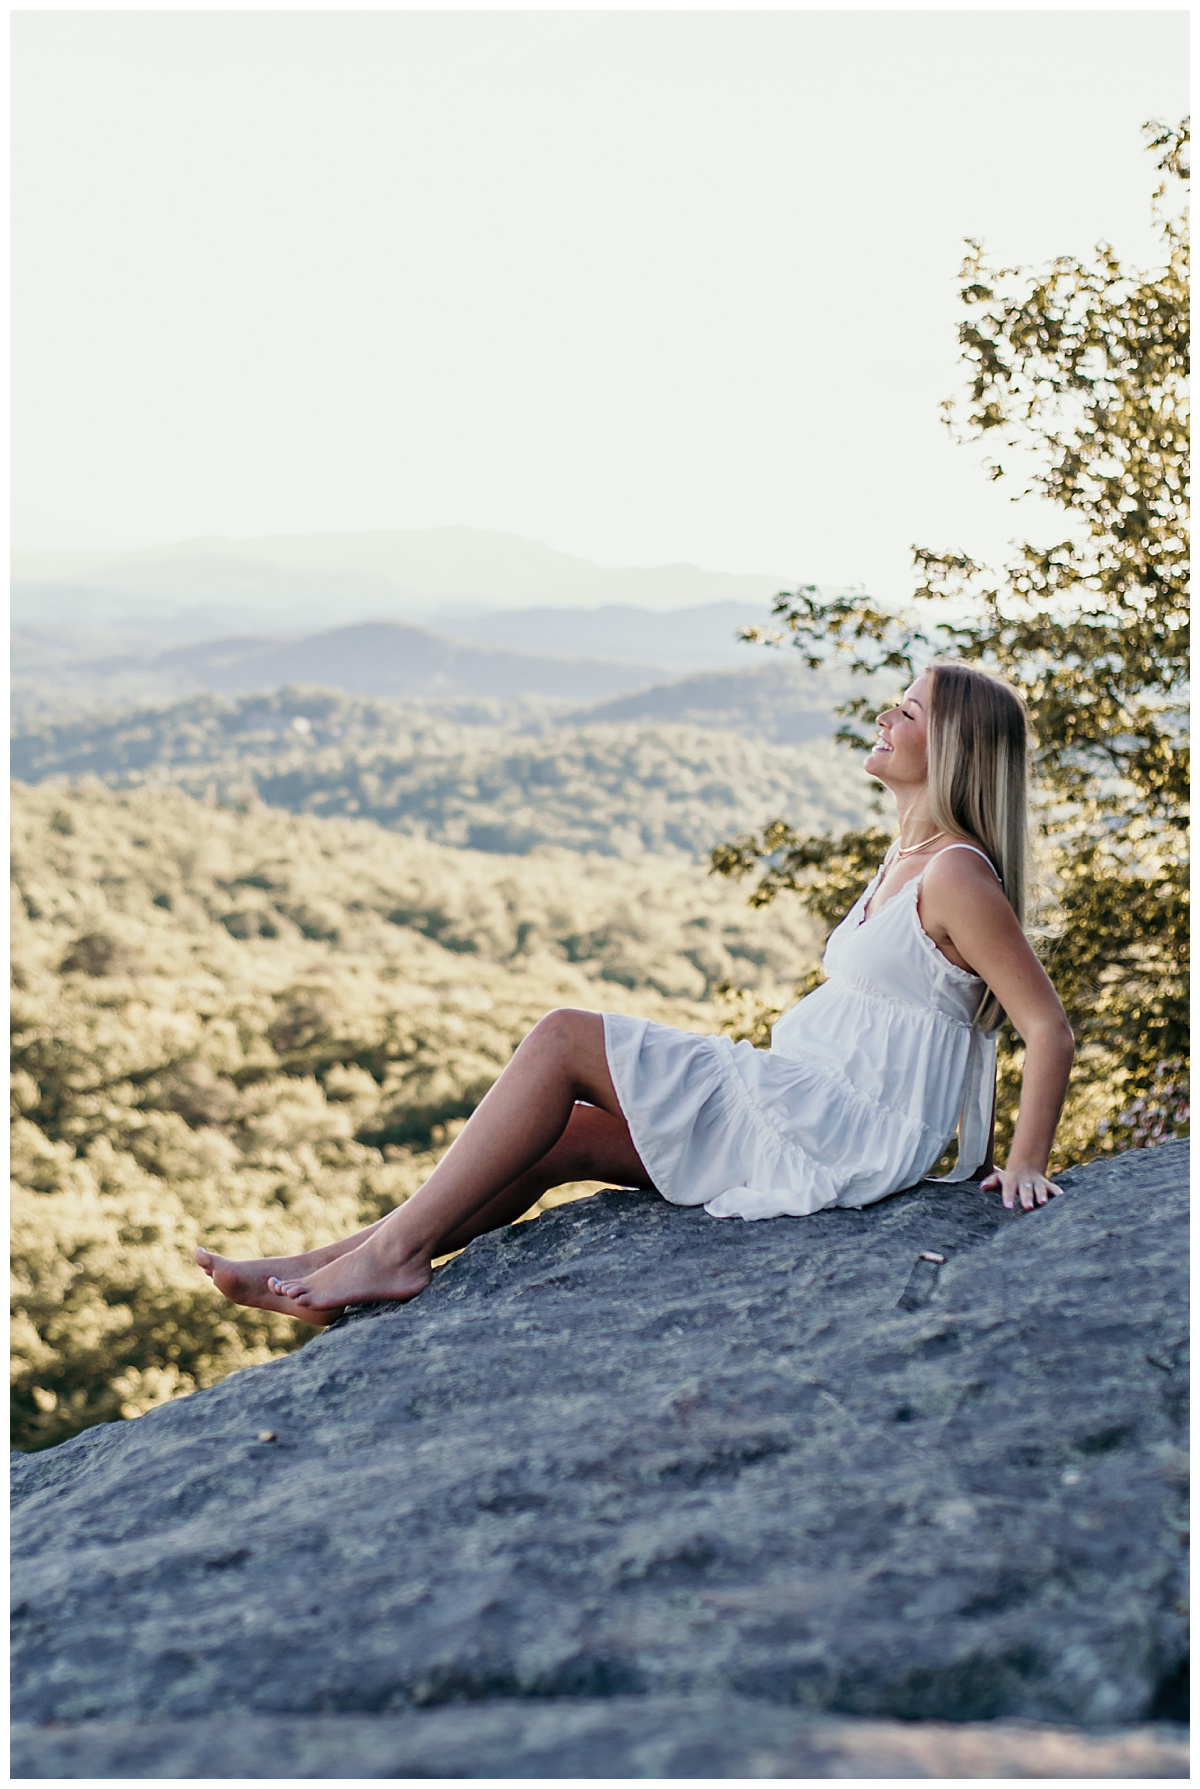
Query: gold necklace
x=911, y=850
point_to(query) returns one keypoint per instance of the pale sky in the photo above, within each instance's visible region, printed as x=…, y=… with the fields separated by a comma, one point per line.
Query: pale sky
x=647, y=287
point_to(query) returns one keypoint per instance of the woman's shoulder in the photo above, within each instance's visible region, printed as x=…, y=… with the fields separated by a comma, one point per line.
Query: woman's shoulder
x=963, y=863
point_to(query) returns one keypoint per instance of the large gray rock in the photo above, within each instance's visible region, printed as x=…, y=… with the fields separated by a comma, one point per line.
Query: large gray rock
x=632, y=1466
x=615, y=1736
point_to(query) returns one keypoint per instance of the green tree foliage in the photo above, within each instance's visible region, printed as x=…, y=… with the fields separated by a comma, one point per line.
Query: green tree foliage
x=259, y=1031
x=621, y=790
x=1081, y=371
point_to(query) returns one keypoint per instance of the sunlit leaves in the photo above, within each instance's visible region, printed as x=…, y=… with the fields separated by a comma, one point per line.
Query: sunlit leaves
x=1082, y=369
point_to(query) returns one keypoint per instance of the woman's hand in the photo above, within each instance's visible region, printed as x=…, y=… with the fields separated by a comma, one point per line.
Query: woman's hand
x=1021, y=1184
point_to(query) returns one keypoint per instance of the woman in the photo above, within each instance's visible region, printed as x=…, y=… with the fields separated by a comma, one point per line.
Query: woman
x=865, y=1079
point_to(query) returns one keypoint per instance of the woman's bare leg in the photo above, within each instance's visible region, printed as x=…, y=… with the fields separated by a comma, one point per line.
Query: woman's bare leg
x=519, y=1122
x=594, y=1146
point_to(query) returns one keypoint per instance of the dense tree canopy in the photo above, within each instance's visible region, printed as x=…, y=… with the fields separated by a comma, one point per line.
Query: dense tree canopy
x=259, y=1030
x=622, y=790
x=1081, y=370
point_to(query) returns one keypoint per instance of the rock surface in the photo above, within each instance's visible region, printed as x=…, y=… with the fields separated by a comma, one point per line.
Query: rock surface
x=645, y=1493
x=621, y=1736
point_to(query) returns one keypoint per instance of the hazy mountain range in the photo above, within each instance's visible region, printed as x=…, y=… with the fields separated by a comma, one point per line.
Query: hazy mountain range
x=382, y=658
x=481, y=690
x=768, y=695
x=531, y=635
x=54, y=670
x=681, y=639
x=185, y=591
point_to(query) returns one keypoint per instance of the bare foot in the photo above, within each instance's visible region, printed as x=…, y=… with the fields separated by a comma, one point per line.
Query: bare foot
x=245, y=1282
x=375, y=1271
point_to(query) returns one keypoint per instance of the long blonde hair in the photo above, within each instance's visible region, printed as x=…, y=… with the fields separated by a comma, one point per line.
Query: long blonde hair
x=978, y=744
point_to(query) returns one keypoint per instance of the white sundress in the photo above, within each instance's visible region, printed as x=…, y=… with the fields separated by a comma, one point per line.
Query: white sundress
x=863, y=1086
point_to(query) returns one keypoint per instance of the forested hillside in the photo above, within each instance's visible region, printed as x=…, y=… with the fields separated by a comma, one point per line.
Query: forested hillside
x=621, y=790
x=259, y=1030
x=773, y=698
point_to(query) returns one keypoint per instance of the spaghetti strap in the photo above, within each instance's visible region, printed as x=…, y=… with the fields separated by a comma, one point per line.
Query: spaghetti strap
x=960, y=845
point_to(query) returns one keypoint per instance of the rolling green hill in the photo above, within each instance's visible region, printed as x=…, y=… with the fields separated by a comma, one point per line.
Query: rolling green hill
x=621, y=789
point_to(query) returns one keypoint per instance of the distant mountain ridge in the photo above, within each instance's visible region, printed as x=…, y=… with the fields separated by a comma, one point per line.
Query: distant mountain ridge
x=420, y=574
x=91, y=630
x=551, y=655
x=777, y=699
x=386, y=658
x=380, y=658
x=769, y=696
x=698, y=637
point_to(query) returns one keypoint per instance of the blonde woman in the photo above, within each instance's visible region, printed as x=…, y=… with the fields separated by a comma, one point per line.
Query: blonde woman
x=865, y=1080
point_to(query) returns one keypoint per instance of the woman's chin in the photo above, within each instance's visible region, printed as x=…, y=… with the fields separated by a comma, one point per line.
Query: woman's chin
x=877, y=765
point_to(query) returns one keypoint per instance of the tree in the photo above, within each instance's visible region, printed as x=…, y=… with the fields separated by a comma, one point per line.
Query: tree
x=1083, y=367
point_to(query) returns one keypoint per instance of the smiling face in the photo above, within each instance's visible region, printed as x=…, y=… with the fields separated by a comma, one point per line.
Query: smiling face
x=899, y=757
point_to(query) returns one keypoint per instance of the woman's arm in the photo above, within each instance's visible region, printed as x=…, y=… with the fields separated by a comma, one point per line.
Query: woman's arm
x=963, y=904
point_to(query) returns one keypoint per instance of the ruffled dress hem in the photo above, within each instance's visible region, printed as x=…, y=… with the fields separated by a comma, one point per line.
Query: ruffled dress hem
x=806, y=1185
x=862, y=1087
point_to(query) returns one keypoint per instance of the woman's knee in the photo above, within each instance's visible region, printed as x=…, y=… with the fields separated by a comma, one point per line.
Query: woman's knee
x=561, y=1030
x=566, y=1048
